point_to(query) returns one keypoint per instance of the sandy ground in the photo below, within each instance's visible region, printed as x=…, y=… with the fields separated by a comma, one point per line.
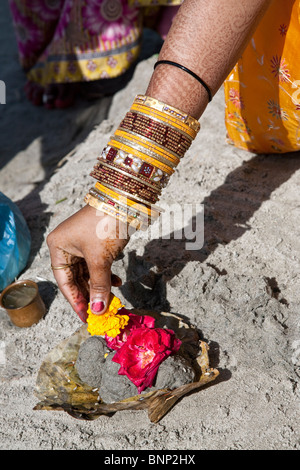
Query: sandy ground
x=241, y=289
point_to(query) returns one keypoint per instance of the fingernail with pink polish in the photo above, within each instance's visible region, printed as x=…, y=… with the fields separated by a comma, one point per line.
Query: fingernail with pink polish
x=97, y=306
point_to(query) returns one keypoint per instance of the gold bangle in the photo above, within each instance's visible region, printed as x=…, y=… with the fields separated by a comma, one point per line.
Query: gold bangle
x=158, y=176
x=159, y=121
x=123, y=211
x=155, y=183
x=137, y=119
x=126, y=183
x=119, y=199
x=133, y=196
x=129, y=188
x=147, y=156
x=123, y=172
x=144, y=142
x=108, y=188
x=101, y=206
x=170, y=110
x=177, y=146
x=153, y=113
x=123, y=206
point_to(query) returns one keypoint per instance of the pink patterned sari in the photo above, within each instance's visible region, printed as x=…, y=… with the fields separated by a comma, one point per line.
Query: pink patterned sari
x=62, y=41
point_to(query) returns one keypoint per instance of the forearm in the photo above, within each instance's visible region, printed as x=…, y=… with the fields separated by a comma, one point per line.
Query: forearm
x=141, y=156
x=207, y=38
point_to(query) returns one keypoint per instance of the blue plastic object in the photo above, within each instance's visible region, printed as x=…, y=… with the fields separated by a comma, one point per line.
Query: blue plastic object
x=15, y=241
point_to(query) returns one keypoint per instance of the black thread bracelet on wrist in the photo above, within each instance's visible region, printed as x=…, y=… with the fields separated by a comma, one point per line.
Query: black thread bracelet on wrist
x=182, y=67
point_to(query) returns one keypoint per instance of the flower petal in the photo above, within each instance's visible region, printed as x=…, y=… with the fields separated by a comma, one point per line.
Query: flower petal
x=141, y=355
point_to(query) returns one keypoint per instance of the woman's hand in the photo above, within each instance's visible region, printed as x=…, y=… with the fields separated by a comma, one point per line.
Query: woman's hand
x=90, y=241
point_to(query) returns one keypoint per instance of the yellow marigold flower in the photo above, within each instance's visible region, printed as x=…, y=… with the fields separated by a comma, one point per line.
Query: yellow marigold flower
x=106, y=324
x=114, y=304
x=109, y=323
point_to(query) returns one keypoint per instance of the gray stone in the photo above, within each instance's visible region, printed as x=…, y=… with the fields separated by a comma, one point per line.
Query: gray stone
x=115, y=387
x=174, y=372
x=90, y=360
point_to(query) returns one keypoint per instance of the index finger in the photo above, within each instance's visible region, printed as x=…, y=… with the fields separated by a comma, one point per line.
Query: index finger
x=71, y=275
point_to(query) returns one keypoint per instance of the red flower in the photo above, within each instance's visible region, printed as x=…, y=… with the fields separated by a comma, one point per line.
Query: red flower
x=143, y=352
x=135, y=321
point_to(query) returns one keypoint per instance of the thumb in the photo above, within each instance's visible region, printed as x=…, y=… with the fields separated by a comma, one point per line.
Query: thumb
x=100, y=287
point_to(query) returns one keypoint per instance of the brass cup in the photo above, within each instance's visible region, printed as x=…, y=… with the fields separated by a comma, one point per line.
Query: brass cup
x=28, y=314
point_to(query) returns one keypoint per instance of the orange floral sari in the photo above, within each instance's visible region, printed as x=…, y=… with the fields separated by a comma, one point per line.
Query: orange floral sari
x=262, y=93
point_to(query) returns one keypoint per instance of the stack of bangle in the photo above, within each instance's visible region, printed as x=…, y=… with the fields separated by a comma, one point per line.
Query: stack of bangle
x=139, y=159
